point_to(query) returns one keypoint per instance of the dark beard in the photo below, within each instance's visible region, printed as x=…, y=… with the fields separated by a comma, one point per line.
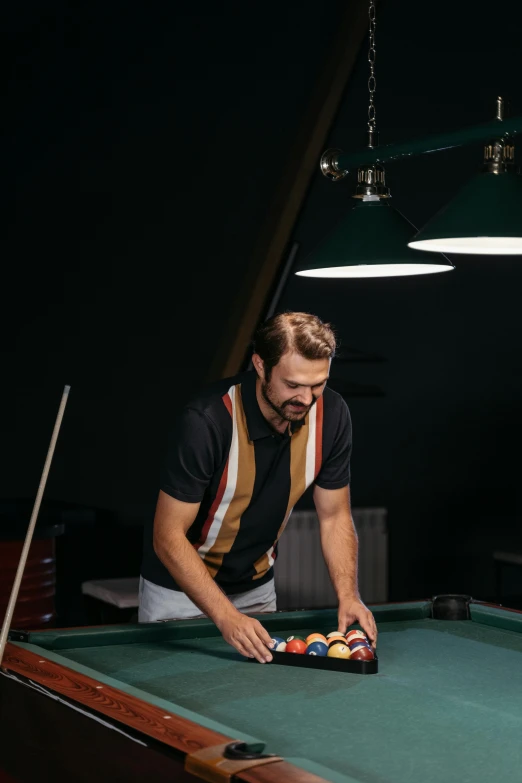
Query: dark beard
x=280, y=410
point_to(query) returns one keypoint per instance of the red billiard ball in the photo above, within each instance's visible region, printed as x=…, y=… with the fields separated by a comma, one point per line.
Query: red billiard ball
x=355, y=642
x=296, y=646
x=362, y=653
x=351, y=636
x=358, y=643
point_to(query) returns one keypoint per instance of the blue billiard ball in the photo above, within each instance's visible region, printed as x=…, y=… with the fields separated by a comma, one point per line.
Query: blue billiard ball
x=279, y=644
x=317, y=648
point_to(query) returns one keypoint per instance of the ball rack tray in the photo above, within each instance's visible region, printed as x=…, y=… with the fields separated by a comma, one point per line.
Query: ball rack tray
x=323, y=662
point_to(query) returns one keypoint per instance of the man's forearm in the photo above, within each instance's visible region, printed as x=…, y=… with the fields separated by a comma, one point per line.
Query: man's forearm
x=340, y=549
x=186, y=567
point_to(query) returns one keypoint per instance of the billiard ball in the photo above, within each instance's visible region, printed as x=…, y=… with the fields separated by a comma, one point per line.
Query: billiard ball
x=317, y=648
x=362, y=653
x=279, y=644
x=358, y=643
x=336, y=640
x=366, y=645
x=351, y=635
x=315, y=637
x=296, y=646
x=336, y=635
x=291, y=638
x=339, y=651
x=358, y=640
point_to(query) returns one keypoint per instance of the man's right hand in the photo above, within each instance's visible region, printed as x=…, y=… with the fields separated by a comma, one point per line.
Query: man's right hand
x=246, y=634
x=171, y=523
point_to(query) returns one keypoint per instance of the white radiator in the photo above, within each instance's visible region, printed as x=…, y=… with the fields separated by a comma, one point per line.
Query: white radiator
x=301, y=577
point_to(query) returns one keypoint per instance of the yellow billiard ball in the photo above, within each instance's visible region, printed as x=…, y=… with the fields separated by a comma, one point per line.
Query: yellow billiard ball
x=339, y=651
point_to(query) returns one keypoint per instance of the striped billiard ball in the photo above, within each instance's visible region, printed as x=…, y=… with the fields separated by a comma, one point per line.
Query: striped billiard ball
x=358, y=640
x=358, y=643
x=353, y=647
x=336, y=640
x=335, y=635
x=352, y=635
x=279, y=644
x=362, y=653
x=316, y=637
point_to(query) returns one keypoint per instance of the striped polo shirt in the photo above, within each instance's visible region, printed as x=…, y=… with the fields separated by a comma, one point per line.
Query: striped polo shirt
x=247, y=477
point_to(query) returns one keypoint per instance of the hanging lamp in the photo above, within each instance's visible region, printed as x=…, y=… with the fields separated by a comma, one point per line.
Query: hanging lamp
x=485, y=217
x=372, y=239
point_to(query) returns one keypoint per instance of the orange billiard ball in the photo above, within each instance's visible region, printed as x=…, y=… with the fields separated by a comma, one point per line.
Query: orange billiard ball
x=336, y=635
x=316, y=637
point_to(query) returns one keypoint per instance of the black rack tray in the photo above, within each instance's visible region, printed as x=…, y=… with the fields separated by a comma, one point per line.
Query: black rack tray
x=323, y=662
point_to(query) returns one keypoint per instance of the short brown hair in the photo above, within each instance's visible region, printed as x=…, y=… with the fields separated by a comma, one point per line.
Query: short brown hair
x=303, y=333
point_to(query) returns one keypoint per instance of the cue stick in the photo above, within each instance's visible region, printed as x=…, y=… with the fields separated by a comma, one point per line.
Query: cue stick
x=28, y=538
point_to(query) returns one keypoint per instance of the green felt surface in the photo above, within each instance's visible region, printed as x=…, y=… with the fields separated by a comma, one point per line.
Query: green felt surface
x=445, y=706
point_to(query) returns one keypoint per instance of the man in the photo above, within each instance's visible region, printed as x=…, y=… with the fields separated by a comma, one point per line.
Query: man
x=245, y=451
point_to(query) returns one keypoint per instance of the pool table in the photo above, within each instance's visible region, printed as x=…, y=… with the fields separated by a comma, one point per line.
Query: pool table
x=168, y=701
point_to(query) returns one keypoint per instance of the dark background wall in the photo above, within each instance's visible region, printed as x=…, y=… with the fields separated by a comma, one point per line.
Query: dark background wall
x=141, y=150
x=440, y=448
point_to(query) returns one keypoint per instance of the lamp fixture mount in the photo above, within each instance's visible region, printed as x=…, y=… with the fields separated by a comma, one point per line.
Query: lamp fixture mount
x=371, y=182
x=329, y=166
x=499, y=153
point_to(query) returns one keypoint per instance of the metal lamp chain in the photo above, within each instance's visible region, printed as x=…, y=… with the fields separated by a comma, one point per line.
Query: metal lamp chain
x=372, y=84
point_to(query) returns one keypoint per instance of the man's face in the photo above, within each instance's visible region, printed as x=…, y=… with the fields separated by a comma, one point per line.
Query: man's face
x=295, y=385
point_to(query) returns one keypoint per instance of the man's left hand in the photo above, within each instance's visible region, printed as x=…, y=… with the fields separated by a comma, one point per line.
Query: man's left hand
x=352, y=610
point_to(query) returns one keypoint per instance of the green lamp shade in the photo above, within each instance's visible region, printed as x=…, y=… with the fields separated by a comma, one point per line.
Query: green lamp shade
x=484, y=218
x=371, y=241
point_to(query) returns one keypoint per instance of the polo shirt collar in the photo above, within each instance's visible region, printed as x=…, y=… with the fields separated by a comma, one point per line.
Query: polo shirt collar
x=257, y=426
